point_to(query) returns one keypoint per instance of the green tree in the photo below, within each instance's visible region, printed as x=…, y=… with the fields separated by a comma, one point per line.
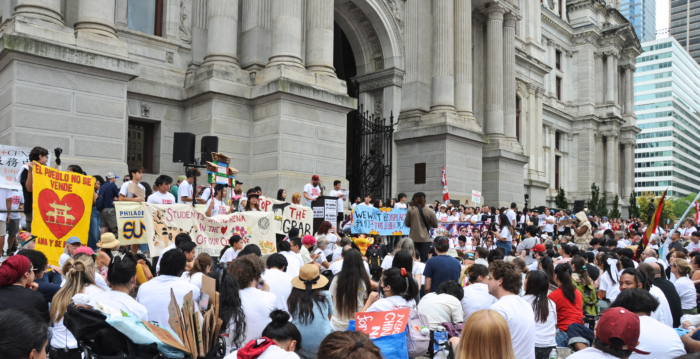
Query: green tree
x=561, y=200
x=615, y=213
x=681, y=204
x=634, y=210
x=595, y=199
x=666, y=214
x=603, y=206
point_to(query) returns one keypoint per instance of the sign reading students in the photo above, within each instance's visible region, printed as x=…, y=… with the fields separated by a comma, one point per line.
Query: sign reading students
x=62, y=207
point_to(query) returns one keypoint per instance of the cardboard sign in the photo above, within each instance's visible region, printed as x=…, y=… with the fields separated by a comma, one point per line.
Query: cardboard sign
x=566, y=223
x=476, y=197
x=381, y=221
x=164, y=336
x=288, y=216
x=136, y=190
x=380, y=324
x=209, y=288
x=62, y=208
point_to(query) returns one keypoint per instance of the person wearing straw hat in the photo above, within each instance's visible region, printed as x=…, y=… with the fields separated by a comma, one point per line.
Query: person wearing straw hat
x=311, y=307
x=106, y=245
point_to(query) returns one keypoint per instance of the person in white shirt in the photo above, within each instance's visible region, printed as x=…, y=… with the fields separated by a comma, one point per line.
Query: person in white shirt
x=536, y=294
x=122, y=278
x=549, y=224
x=505, y=282
x=180, y=238
x=401, y=204
x=216, y=205
x=290, y=250
x=155, y=294
x=125, y=194
x=684, y=286
x=663, y=313
x=694, y=245
x=605, y=224
x=312, y=190
x=231, y=252
x=442, y=215
x=398, y=292
x=367, y=202
x=280, y=283
x=15, y=202
x=202, y=266
x=609, y=280
x=511, y=214
x=444, y=305
x=655, y=338
x=162, y=194
x=281, y=340
x=185, y=192
x=5, y=204
x=337, y=266
x=476, y=293
x=256, y=300
x=338, y=192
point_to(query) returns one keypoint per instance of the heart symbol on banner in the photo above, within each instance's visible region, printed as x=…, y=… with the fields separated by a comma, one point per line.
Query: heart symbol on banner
x=60, y=215
x=223, y=230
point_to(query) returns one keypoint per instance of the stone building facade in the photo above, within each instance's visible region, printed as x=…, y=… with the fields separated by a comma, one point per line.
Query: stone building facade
x=512, y=97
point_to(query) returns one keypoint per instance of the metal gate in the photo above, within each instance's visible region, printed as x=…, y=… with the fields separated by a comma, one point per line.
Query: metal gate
x=372, y=146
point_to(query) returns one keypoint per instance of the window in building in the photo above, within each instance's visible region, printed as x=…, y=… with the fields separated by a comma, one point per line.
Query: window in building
x=517, y=118
x=140, y=145
x=556, y=172
x=419, y=173
x=557, y=57
x=556, y=140
x=559, y=88
x=145, y=16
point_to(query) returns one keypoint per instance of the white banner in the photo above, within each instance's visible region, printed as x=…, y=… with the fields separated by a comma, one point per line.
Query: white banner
x=11, y=161
x=288, y=216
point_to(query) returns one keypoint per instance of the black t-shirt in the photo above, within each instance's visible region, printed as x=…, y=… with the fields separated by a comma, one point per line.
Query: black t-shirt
x=677, y=245
x=27, y=195
x=14, y=296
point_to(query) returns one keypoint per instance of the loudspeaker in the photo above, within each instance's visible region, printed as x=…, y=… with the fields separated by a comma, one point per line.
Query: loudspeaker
x=183, y=147
x=209, y=144
x=578, y=206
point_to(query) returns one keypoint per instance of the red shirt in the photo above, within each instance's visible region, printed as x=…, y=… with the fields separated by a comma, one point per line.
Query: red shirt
x=567, y=312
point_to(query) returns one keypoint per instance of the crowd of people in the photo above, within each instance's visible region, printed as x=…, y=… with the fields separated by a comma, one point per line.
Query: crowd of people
x=518, y=284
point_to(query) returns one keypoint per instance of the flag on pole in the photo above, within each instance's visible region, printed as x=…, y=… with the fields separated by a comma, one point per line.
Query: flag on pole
x=445, y=194
x=651, y=228
x=696, y=215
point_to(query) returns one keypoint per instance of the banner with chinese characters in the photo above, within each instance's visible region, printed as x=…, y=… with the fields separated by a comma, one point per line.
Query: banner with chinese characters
x=160, y=224
x=62, y=207
x=12, y=159
x=381, y=221
x=288, y=216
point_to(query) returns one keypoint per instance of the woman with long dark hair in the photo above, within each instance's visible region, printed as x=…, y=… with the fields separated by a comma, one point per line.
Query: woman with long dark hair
x=568, y=300
x=280, y=340
x=311, y=308
x=201, y=267
x=398, y=289
x=536, y=289
x=609, y=280
x=547, y=265
x=504, y=237
x=231, y=312
x=252, y=203
x=122, y=279
x=256, y=300
x=217, y=204
x=282, y=195
x=349, y=290
x=420, y=219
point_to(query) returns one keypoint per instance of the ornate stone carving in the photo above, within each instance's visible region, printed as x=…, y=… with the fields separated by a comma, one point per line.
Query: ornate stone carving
x=378, y=103
x=169, y=57
x=381, y=79
x=494, y=13
x=185, y=31
x=145, y=110
x=509, y=20
x=376, y=47
x=599, y=54
x=569, y=53
x=378, y=63
x=397, y=7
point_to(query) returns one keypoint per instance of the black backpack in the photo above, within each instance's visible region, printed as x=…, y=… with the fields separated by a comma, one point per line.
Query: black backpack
x=374, y=259
x=90, y=327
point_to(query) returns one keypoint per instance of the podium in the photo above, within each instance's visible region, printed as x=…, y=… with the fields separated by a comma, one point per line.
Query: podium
x=325, y=208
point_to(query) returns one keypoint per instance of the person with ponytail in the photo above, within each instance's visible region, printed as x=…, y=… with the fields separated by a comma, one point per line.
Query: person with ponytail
x=536, y=289
x=608, y=283
x=122, y=278
x=80, y=279
x=202, y=266
x=231, y=312
x=280, y=340
x=399, y=289
x=17, y=287
x=348, y=345
x=568, y=300
x=311, y=308
x=684, y=286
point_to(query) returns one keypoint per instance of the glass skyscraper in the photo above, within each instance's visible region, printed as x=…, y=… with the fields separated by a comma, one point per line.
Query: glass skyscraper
x=642, y=15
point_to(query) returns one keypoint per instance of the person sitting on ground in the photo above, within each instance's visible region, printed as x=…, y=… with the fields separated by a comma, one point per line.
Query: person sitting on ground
x=235, y=245
x=154, y=293
x=569, y=302
x=278, y=280
x=616, y=336
x=669, y=290
x=256, y=300
x=349, y=290
x=279, y=340
x=290, y=250
x=201, y=267
x=348, y=345
x=23, y=334
x=231, y=311
x=320, y=255
x=40, y=265
x=336, y=266
x=17, y=287
x=536, y=290
x=399, y=293
x=311, y=308
x=686, y=290
x=505, y=282
x=122, y=277
x=442, y=267
x=659, y=340
x=179, y=239
x=476, y=293
x=444, y=305
x=307, y=243
x=490, y=330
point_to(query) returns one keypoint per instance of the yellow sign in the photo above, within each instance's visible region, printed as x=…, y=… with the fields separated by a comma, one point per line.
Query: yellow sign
x=62, y=207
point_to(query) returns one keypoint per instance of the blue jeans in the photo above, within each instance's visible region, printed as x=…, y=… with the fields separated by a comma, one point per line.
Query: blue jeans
x=95, y=231
x=562, y=339
x=505, y=245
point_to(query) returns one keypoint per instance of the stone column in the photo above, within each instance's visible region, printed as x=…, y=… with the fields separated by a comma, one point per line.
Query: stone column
x=463, y=58
x=222, y=36
x=96, y=16
x=494, y=73
x=319, y=37
x=286, y=33
x=611, y=73
x=629, y=169
x=509, y=75
x=600, y=79
x=599, y=156
x=610, y=151
x=552, y=75
x=256, y=34
x=552, y=157
x=49, y=10
x=629, y=90
x=443, y=89
x=479, y=64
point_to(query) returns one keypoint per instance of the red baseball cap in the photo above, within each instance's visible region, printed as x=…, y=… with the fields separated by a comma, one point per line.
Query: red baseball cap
x=539, y=248
x=622, y=324
x=315, y=178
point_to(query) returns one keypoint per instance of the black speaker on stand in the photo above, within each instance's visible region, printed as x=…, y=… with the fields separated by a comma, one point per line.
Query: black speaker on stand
x=183, y=148
x=209, y=144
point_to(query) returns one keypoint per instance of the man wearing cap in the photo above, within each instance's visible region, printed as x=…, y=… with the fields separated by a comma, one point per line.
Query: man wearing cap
x=72, y=244
x=312, y=190
x=616, y=336
x=174, y=188
x=108, y=193
x=442, y=267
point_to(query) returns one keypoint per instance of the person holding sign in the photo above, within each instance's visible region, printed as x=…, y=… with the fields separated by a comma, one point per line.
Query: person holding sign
x=37, y=155
x=162, y=194
x=216, y=205
x=252, y=203
x=133, y=191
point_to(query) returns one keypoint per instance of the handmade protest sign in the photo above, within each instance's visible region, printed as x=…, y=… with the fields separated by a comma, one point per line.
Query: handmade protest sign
x=62, y=207
x=131, y=223
x=381, y=221
x=380, y=324
x=12, y=159
x=288, y=216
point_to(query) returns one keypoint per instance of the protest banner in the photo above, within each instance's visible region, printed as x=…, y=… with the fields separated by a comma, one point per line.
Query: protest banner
x=380, y=324
x=131, y=223
x=476, y=197
x=62, y=207
x=11, y=161
x=381, y=221
x=451, y=230
x=288, y=216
